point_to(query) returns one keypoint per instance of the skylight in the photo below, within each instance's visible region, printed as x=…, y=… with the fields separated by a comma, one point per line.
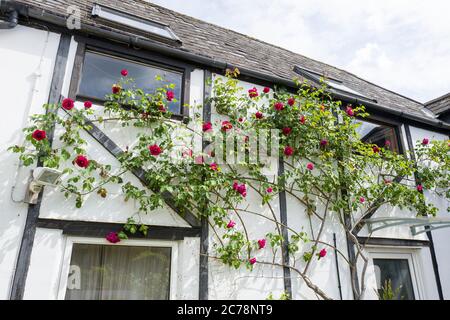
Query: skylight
x=331, y=82
x=341, y=87
x=134, y=22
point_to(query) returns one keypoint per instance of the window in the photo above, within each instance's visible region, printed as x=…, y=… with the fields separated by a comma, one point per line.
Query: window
x=341, y=87
x=398, y=273
x=106, y=272
x=134, y=22
x=403, y=267
x=101, y=71
x=382, y=135
x=331, y=82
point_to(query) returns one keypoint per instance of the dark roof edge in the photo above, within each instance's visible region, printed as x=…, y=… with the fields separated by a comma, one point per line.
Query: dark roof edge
x=437, y=99
x=381, y=87
x=137, y=41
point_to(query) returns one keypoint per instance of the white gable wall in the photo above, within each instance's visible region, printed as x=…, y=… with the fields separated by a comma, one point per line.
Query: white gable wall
x=440, y=237
x=24, y=88
x=323, y=272
x=47, y=262
x=112, y=209
x=50, y=247
x=228, y=283
x=51, y=256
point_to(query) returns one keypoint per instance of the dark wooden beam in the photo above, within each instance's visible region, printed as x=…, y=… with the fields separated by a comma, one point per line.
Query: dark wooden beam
x=284, y=232
x=116, y=151
x=101, y=137
x=101, y=229
x=204, y=242
x=393, y=242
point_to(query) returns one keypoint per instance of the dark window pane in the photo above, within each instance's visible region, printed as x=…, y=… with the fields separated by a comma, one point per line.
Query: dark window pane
x=119, y=272
x=397, y=271
x=100, y=72
x=378, y=134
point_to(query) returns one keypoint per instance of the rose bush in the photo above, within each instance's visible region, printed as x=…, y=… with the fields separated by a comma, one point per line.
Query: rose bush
x=328, y=170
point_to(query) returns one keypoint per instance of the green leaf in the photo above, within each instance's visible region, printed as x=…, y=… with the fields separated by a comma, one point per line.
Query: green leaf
x=122, y=235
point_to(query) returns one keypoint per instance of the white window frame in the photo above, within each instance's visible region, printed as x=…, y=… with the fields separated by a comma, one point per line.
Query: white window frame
x=70, y=241
x=414, y=262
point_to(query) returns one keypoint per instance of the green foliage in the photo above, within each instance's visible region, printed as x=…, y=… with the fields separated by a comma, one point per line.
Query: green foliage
x=283, y=296
x=387, y=293
x=345, y=169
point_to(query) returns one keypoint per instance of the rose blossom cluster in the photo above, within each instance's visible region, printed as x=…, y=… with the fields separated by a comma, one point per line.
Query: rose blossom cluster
x=39, y=135
x=253, y=93
x=113, y=237
x=82, y=161
x=240, y=188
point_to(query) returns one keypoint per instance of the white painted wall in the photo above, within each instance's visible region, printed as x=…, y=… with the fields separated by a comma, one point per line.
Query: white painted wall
x=45, y=265
x=21, y=51
x=422, y=255
x=441, y=238
x=114, y=209
x=52, y=244
x=238, y=284
x=394, y=232
x=230, y=284
x=323, y=272
x=27, y=59
x=51, y=253
x=387, y=211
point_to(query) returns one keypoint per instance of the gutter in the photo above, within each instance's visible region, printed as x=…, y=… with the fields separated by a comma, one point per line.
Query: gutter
x=348, y=99
x=140, y=42
x=135, y=41
x=11, y=16
x=377, y=107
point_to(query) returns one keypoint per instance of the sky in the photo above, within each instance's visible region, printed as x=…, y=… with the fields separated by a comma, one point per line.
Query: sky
x=402, y=45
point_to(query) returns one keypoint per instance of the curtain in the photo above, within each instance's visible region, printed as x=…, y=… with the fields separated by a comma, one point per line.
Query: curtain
x=120, y=272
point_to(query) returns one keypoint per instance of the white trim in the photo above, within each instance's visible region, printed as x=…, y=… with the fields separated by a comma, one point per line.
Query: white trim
x=414, y=262
x=69, y=241
x=69, y=67
x=132, y=21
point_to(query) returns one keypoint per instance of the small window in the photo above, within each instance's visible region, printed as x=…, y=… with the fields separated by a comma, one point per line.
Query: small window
x=380, y=134
x=105, y=272
x=134, y=22
x=331, y=82
x=396, y=274
x=341, y=87
x=101, y=71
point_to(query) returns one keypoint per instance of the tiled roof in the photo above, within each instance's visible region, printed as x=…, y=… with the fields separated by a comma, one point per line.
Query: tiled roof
x=206, y=39
x=439, y=105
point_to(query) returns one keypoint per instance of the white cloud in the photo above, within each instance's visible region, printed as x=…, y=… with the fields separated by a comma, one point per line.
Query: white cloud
x=403, y=45
x=370, y=60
